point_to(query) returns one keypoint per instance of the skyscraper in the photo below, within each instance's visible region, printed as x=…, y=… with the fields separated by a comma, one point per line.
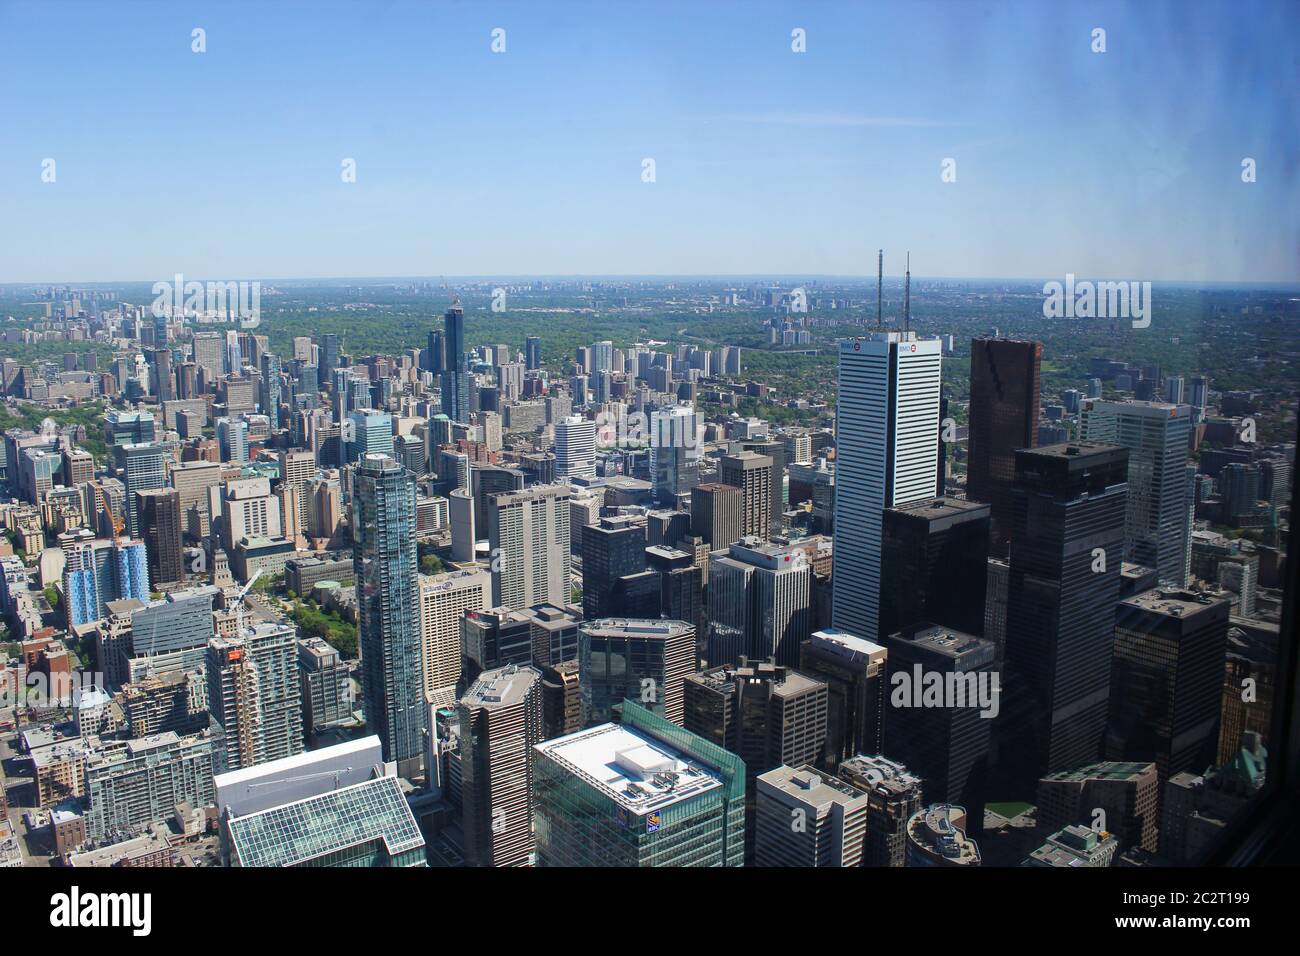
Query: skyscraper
x=944, y=740
x=455, y=372
x=529, y=535
x=808, y=818
x=766, y=714
x=385, y=562
x=500, y=724
x=674, y=452
x=1004, y=389
x=253, y=693
x=444, y=599
x=1068, y=532
x=854, y=672
x=610, y=550
x=575, y=448
x=894, y=798
x=1167, y=680
x=269, y=388
x=715, y=514
x=887, y=429
x=774, y=449
x=160, y=518
x=640, y=793
x=760, y=603
x=752, y=474
x=532, y=352
x=641, y=660
x=1157, y=519
x=934, y=565
x=142, y=466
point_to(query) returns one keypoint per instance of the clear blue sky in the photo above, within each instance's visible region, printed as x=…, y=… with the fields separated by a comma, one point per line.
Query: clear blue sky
x=227, y=164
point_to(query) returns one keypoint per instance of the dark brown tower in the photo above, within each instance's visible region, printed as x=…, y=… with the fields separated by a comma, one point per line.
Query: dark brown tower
x=1003, y=418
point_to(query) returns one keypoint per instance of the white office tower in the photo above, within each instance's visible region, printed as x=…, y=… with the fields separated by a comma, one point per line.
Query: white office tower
x=887, y=454
x=575, y=448
x=460, y=507
x=444, y=599
x=674, y=451
x=529, y=536
x=1156, y=518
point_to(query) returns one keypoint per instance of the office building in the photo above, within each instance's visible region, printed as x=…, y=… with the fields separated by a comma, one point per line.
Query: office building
x=760, y=603
x=894, y=797
x=455, y=371
x=886, y=455
x=249, y=510
x=674, y=452
x=1068, y=527
x=944, y=695
x=753, y=475
x=934, y=565
x=611, y=550
x=1123, y=797
x=636, y=794
x=854, y=672
x=500, y=724
x=1157, y=518
x=715, y=513
x=1004, y=396
x=575, y=448
x=528, y=532
x=808, y=818
x=160, y=521
x=1167, y=680
x=642, y=660
x=141, y=467
x=444, y=599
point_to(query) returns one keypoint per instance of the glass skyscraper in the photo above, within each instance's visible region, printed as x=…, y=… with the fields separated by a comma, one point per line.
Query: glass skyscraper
x=455, y=372
x=387, y=572
x=641, y=793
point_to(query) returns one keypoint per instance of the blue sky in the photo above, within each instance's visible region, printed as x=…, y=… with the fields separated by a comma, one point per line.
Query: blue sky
x=226, y=164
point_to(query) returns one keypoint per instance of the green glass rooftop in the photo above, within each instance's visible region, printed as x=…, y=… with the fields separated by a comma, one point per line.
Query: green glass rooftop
x=367, y=824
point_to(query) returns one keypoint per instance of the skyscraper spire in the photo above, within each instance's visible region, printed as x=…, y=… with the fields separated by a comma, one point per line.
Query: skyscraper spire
x=907, y=296
x=880, y=282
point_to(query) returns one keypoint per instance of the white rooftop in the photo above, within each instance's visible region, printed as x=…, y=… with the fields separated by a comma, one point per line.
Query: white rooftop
x=634, y=770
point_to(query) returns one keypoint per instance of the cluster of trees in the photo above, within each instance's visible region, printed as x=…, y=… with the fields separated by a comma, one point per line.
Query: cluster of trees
x=312, y=619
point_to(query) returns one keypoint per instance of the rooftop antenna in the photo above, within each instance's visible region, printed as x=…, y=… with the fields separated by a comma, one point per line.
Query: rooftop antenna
x=880, y=282
x=907, y=296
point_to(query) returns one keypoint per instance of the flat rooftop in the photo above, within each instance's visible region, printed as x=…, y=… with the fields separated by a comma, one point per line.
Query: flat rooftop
x=501, y=687
x=634, y=770
x=635, y=627
x=1174, y=603
x=811, y=786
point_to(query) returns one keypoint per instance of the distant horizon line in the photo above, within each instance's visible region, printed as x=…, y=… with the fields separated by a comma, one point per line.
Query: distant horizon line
x=653, y=276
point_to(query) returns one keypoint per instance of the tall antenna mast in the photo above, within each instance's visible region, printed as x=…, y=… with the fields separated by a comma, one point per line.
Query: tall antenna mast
x=880, y=282
x=907, y=296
